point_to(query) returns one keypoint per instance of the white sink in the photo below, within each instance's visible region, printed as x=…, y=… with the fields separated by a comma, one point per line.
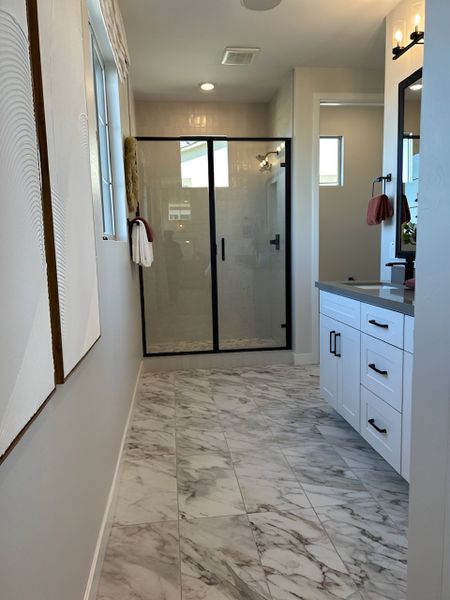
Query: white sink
x=375, y=286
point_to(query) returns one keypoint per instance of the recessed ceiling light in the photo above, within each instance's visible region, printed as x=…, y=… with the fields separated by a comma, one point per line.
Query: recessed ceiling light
x=207, y=86
x=415, y=87
x=260, y=4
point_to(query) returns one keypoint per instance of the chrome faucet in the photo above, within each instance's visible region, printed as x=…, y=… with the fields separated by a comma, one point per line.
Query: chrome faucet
x=408, y=269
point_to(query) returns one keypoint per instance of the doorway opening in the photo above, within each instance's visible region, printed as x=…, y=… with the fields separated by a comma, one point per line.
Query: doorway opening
x=351, y=155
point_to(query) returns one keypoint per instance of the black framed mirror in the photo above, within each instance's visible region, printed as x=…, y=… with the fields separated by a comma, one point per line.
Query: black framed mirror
x=408, y=165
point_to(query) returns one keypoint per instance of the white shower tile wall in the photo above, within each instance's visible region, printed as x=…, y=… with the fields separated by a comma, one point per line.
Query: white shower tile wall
x=233, y=119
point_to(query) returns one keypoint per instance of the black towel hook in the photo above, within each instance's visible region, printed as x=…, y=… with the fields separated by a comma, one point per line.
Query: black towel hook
x=382, y=178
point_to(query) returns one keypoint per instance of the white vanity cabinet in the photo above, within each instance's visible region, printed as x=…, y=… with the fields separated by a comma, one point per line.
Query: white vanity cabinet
x=366, y=362
x=340, y=355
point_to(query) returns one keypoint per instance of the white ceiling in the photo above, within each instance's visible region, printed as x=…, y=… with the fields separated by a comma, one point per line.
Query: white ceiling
x=176, y=44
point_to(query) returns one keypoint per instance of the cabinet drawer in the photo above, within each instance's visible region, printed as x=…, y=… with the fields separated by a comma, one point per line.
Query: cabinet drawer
x=341, y=308
x=382, y=370
x=377, y=414
x=384, y=324
x=409, y=334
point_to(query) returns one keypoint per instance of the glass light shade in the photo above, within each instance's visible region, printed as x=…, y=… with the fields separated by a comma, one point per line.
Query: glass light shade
x=260, y=4
x=399, y=34
x=417, y=17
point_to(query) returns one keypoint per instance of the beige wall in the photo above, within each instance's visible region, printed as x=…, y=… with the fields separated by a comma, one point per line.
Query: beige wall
x=234, y=119
x=281, y=109
x=55, y=483
x=310, y=85
x=348, y=247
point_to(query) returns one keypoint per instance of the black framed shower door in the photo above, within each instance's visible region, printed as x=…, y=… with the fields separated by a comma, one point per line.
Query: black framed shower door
x=220, y=209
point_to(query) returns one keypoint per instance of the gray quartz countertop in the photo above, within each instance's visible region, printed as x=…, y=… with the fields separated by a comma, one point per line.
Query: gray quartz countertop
x=385, y=294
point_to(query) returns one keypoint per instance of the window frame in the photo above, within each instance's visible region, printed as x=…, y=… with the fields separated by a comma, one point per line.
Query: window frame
x=340, y=160
x=108, y=206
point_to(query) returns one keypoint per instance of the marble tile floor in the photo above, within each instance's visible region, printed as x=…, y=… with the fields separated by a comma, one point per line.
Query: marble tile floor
x=244, y=485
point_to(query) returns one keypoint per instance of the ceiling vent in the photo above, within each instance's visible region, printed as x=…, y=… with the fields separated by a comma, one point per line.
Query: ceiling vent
x=239, y=56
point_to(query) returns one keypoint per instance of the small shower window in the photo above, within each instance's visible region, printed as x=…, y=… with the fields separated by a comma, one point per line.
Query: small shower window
x=331, y=161
x=180, y=212
x=194, y=164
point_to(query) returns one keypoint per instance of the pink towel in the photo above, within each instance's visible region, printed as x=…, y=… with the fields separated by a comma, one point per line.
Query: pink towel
x=379, y=209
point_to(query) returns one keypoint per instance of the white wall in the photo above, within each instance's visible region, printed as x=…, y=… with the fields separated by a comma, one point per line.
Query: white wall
x=429, y=531
x=310, y=85
x=234, y=119
x=55, y=483
x=395, y=72
x=348, y=246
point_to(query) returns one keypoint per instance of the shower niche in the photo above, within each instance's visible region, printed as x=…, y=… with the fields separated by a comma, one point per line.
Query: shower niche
x=220, y=213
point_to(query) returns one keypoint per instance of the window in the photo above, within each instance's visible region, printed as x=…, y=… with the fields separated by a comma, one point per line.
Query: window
x=103, y=138
x=331, y=160
x=180, y=212
x=194, y=164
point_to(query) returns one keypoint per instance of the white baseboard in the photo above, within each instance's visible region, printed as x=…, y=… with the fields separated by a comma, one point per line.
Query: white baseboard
x=305, y=359
x=105, y=528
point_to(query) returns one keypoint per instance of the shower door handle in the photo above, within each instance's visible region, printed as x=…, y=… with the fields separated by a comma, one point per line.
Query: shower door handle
x=223, y=248
x=276, y=241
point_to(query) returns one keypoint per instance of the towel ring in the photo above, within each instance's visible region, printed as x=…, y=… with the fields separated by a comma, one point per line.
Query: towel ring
x=382, y=178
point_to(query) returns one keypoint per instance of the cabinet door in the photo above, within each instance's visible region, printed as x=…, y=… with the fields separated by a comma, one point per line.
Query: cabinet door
x=348, y=353
x=328, y=362
x=406, y=416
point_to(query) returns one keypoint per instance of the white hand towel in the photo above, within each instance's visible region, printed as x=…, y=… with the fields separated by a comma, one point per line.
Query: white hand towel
x=142, y=249
x=135, y=243
x=145, y=247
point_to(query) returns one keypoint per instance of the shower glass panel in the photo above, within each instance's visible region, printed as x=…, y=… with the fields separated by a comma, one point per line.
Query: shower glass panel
x=251, y=242
x=177, y=289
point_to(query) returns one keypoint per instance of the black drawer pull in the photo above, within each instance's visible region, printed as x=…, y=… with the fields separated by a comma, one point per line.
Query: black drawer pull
x=374, y=368
x=336, y=353
x=332, y=350
x=382, y=325
x=375, y=426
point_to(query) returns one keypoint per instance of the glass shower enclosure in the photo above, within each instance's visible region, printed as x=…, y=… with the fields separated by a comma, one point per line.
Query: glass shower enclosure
x=220, y=213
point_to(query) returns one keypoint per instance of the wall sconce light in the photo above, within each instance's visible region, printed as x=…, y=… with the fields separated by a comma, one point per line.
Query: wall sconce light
x=416, y=36
x=264, y=163
x=417, y=19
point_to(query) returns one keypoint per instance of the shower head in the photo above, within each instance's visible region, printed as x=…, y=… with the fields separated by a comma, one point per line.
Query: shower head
x=264, y=164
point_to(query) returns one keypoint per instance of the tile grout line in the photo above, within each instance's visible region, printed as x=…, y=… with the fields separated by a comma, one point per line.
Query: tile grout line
x=344, y=562
x=246, y=512
x=322, y=524
x=367, y=489
x=176, y=480
x=354, y=501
